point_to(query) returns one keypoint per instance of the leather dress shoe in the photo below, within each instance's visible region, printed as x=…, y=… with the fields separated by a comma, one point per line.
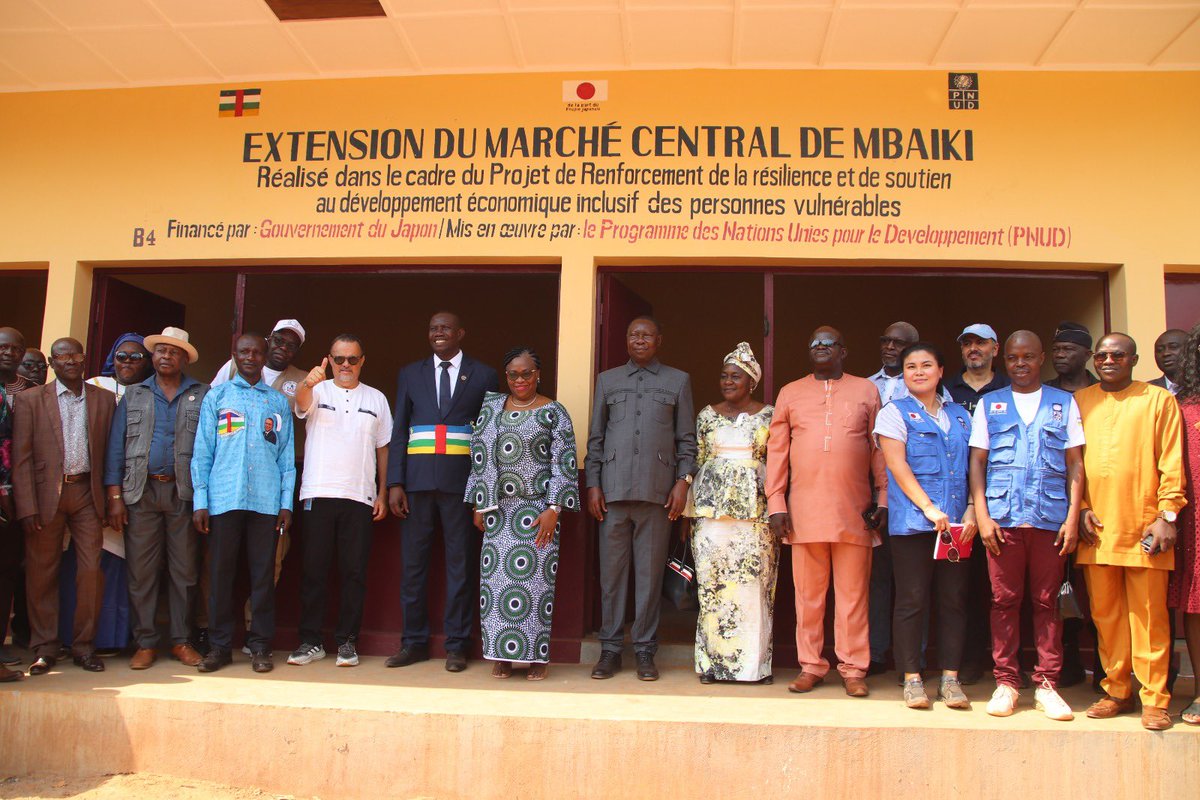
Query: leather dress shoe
x=186, y=654
x=1108, y=707
x=646, y=671
x=42, y=665
x=91, y=662
x=456, y=661
x=856, y=687
x=409, y=654
x=608, y=665
x=805, y=682
x=7, y=675
x=144, y=658
x=215, y=659
x=261, y=662
x=1155, y=719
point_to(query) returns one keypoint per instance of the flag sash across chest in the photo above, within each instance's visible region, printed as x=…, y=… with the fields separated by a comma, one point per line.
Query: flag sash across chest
x=442, y=440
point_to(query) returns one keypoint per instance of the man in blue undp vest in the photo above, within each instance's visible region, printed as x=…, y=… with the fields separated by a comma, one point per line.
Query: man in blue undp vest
x=1027, y=482
x=437, y=399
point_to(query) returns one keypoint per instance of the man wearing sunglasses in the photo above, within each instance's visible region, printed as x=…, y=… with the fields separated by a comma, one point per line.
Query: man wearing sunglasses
x=1133, y=460
x=344, y=490
x=148, y=479
x=60, y=432
x=826, y=487
x=34, y=366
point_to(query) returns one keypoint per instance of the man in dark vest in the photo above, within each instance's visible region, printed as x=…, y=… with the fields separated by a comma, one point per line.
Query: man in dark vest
x=437, y=399
x=148, y=480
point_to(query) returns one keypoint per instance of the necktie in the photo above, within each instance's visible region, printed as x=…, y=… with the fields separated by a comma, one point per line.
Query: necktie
x=444, y=388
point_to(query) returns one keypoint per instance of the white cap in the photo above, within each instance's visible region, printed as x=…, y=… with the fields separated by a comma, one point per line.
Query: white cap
x=980, y=329
x=290, y=325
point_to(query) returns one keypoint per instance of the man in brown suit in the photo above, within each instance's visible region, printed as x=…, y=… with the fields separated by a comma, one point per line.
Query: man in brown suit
x=60, y=431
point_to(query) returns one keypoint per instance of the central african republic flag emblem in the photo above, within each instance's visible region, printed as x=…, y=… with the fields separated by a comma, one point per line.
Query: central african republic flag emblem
x=230, y=422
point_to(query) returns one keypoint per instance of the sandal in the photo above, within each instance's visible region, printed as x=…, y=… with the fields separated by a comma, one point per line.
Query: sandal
x=1192, y=711
x=537, y=672
x=502, y=669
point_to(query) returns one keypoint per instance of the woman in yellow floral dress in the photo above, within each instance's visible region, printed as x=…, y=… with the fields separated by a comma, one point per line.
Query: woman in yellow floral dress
x=737, y=558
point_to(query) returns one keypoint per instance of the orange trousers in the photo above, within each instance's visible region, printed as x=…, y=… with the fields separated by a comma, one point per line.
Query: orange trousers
x=1129, y=607
x=851, y=568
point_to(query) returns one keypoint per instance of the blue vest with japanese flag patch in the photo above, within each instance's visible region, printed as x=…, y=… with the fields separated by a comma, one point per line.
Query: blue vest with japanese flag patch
x=938, y=460
x=1027, y=465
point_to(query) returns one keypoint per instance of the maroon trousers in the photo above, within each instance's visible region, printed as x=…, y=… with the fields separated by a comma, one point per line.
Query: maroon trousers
x=43, y=553
x=1027, y=561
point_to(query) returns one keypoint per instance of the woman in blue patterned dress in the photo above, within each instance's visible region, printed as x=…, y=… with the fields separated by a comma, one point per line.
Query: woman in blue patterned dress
x=523, y=475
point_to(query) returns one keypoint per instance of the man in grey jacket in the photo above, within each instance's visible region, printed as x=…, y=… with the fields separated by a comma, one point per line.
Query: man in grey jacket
x=148, y=481
x=640, y=460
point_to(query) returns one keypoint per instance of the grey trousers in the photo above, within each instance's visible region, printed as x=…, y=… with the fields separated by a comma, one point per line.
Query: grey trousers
x=632, y=534
x=160, y=525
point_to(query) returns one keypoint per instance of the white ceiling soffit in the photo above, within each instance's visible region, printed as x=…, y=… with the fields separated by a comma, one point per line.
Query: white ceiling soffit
x=76, y=44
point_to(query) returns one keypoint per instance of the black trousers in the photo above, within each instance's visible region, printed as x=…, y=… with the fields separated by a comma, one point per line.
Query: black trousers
x=426, y=509
x=227, y=532
x=920, y=582
x=334, y=524
x=12, y=582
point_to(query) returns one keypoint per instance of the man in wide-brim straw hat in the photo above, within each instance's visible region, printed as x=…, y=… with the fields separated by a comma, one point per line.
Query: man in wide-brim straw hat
x=148, y=483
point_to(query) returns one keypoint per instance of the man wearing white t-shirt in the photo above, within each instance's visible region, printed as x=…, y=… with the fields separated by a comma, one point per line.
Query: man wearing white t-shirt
x=344, y=490
x=1027, y=484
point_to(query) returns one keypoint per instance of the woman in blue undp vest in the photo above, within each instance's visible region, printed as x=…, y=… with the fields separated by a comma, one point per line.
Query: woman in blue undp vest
x=924, y=442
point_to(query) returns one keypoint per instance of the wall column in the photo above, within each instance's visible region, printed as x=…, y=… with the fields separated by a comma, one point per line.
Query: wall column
x=577, y=341
x=68, y=302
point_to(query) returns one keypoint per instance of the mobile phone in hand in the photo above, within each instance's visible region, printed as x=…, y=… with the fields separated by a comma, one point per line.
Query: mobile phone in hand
x=1148, y=544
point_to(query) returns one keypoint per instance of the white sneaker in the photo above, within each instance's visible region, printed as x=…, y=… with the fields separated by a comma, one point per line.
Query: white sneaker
x=1048, y=700
x=306, y=654
x=1003, y=700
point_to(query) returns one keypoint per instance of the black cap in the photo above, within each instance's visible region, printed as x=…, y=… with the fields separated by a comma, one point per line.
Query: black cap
x=1074, y=333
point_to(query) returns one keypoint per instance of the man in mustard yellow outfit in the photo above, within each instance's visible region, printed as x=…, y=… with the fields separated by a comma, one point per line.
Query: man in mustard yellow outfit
x=1133, y=460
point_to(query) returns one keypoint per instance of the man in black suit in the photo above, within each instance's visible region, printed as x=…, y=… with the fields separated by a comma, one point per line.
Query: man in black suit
x=437, y=399
x=1167, y=350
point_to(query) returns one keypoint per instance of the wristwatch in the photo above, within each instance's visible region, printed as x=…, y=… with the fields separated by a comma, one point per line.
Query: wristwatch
x=687, y=478
x=1168, y=516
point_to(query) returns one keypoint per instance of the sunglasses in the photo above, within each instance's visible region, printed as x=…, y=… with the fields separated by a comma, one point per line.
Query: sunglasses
x=1110, y=356
x=69, y=358
x=952, y=555
x=527, y=375
x=131, y=357
x=823, y=341
x=339, y=360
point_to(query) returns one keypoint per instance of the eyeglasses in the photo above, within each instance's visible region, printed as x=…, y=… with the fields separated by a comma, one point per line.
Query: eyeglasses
x=952, y=554
x=823, y=341
x=339, y=360
x=284, y=342
x=68, y=358
x=134, y=357
x=527, y=375
x=1110, y=355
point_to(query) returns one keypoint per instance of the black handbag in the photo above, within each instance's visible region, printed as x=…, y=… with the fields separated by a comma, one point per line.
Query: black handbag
x=679, y=579
x=1068, y=601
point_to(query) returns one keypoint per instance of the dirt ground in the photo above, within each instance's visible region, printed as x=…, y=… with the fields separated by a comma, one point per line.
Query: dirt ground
x=123, y=787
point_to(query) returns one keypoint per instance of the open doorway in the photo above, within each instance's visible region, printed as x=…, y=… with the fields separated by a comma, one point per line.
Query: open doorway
x=23, y=303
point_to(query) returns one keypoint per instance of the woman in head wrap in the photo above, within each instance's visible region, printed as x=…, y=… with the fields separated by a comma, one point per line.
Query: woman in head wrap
x=128, y=363
x=737, y=558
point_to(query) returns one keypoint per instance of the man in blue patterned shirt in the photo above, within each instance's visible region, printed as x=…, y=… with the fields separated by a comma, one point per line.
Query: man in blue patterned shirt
x=243, y=476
